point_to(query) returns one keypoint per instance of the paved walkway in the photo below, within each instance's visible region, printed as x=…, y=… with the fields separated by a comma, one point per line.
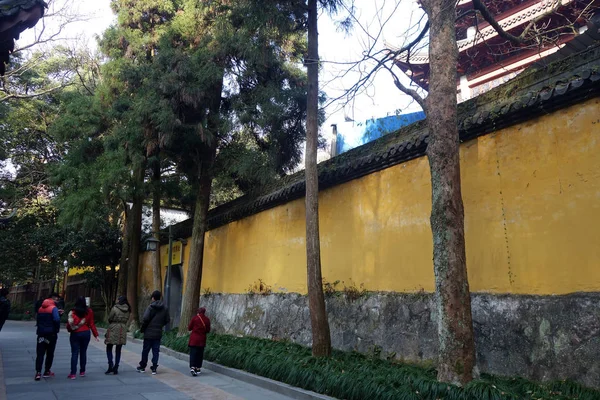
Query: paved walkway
x=173, y=381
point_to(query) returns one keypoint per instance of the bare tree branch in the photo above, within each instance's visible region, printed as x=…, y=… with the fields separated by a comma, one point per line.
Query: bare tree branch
x=522, y=38
x=411, y=92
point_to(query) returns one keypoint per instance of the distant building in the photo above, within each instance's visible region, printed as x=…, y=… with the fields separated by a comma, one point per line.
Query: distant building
x=168, y=216
x=350, y=134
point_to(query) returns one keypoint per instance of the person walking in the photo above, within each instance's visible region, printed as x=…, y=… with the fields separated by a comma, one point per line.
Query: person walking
x=48, y=325
x=80, y=323
x=116, y=334
x=4, y=306
x=199, y=326
x=155, y=318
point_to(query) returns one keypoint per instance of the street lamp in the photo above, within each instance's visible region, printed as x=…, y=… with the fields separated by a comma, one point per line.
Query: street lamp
x=66, y=270
x=152, y=244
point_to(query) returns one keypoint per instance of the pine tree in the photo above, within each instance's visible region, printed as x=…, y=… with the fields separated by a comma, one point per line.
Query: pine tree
x=228, y=76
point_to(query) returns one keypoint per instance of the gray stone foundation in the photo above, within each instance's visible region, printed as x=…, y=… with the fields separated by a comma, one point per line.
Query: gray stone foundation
x=537, y=337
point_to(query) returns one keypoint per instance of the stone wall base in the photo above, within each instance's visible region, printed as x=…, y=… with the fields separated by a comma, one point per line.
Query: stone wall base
x=537, y=337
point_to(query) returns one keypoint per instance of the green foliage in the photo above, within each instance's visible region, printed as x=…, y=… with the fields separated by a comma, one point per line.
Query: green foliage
x=260, y=287
x=354, y=376
x=353, y=292
x=330, y=288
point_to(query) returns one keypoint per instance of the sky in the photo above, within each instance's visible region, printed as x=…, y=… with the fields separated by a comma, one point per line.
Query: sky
x=337, y=50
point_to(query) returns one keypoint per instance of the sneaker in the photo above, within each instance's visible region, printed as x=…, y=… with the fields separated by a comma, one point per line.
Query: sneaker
x=38, y=376
x=140, y=369
x=193, y=372
x=48, y=374
x=82, y=374
x=153, y=369
x=71, y=376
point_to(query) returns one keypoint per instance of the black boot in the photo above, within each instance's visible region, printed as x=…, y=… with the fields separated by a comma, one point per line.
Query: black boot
x=110, y=369
x=115, y=369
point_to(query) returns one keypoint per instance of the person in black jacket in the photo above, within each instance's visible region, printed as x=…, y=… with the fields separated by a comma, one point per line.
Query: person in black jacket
x=48, y=325
x=155, y=318
x=4, y=306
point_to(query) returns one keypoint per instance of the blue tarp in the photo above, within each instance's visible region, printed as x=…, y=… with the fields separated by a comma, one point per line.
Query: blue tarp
x=357, y=134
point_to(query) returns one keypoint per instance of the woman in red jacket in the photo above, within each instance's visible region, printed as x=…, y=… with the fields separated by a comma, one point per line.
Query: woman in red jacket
x=200, y=326
x=81, y=322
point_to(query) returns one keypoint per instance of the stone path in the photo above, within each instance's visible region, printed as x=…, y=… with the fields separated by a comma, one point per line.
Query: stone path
x=173, y=381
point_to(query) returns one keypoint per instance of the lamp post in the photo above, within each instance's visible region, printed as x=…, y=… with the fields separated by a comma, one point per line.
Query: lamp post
x=66, y=270
x=169, y=264
x=153, y=244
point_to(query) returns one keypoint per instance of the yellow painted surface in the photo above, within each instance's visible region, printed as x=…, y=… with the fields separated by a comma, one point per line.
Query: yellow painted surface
x=73, y=271
x=145, y=266
x=532, y=204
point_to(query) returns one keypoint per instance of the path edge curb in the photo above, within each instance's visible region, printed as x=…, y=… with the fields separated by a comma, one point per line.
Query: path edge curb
x=256, y=380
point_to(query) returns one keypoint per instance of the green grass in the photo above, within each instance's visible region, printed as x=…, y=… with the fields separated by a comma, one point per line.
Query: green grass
x=353, y=376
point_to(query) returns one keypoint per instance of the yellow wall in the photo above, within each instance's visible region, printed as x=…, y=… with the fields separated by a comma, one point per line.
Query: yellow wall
x=532, y=203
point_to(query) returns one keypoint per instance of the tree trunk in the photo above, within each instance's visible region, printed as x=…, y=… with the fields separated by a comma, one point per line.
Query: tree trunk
x=134, y=246
x=156, y=275
x=321, y=338
x=122, y=284
x=191, y=295
x=455, y=326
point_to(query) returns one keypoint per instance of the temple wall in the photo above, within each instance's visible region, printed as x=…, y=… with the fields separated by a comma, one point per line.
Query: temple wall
x=532, y=219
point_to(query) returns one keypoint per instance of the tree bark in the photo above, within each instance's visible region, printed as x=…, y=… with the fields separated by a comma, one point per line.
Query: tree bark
x=156, y=272
x=321, y=337
x=191, y=295
x=206, y=159
x=134, y=246
x=122, y=284
x=455, y=326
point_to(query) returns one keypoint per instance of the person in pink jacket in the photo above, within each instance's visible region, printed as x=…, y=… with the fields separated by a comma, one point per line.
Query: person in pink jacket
x=200, y=326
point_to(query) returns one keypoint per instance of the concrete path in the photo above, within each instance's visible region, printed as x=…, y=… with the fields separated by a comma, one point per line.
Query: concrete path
x=173, y=381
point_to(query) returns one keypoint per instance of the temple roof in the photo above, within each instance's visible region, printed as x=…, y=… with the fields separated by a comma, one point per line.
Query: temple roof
x=530, y=95
x=15, y=17
x=486, y=32
x=485, y=56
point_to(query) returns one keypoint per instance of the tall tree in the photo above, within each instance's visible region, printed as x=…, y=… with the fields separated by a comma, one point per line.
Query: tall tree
x=228, y=77
x=455, y=325
x=455, y=330
x=131, y=47
x=321, y=337
x=456, y=357
x=156, y=197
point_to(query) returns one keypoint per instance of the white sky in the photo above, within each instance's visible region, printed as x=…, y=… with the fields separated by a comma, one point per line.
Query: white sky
x=378, y=100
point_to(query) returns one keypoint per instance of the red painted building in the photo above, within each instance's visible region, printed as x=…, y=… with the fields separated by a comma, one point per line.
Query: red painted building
x=486, y=60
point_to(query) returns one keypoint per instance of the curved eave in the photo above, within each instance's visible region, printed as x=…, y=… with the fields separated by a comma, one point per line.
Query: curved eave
x=510, y=22
x=15, y=17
